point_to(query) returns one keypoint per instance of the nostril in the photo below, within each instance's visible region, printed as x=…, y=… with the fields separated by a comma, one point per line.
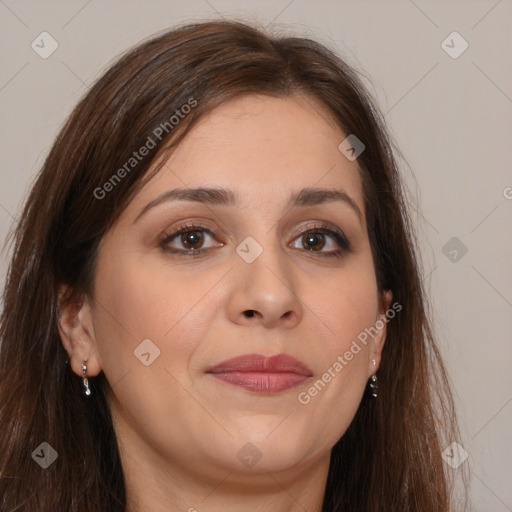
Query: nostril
x=249, y=313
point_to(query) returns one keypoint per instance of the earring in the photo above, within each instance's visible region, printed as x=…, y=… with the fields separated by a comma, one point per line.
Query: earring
x=85, y=380
x=374, y=386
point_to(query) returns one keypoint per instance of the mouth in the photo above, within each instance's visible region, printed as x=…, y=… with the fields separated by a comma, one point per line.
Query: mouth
x=261, y=374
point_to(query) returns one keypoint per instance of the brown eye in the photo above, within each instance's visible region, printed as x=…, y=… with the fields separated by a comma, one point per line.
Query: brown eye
x=192, y=239
x=313, y=241
x=323, y=241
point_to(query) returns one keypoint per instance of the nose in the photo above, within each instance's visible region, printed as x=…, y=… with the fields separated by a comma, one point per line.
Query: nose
x=265, y=292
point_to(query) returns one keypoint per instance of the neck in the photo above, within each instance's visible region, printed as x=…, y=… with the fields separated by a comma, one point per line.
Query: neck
x=152, y=485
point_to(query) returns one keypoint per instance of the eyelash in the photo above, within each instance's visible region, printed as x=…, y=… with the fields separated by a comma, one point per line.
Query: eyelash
x=338, y=236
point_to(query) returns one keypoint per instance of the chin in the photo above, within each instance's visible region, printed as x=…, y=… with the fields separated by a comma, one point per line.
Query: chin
x=272, y=451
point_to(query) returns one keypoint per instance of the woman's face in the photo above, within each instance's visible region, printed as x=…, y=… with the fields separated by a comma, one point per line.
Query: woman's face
x=274, y=260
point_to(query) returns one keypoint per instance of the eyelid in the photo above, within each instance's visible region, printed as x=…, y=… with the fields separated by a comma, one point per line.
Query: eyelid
x=178, y=228
x=319, y=226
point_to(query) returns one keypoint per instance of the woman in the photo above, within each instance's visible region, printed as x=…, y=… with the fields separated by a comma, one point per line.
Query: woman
x=214, y=299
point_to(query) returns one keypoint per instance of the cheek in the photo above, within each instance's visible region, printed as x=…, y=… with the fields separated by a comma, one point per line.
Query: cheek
x=346, y=304
x=347, y=308
x=135, y=301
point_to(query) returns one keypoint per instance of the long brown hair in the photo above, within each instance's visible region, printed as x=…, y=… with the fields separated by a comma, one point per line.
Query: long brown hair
x=390, y=457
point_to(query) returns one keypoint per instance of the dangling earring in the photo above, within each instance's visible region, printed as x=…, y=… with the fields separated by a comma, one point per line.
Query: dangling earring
x=374, y=386
x=85, y=380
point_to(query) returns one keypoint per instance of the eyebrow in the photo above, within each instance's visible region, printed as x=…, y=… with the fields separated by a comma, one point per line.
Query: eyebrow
x=225, y=197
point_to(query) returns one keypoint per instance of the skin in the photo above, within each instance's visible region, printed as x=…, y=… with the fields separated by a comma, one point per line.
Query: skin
x=180, y=429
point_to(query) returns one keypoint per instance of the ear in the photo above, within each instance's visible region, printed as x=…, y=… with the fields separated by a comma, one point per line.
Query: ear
x=380, y=326
x=75, y=325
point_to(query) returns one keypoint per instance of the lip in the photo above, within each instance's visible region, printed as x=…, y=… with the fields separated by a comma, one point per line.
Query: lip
x=262, y=374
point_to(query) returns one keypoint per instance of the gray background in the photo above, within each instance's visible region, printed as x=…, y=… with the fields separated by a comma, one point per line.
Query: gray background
x=451, y=117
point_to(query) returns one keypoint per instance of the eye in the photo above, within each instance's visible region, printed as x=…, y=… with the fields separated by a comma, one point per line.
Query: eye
x=189, y=239
x=323, y=240
x=193, y=240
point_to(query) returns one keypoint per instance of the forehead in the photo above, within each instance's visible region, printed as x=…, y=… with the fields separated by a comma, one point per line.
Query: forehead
x=262, y=147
